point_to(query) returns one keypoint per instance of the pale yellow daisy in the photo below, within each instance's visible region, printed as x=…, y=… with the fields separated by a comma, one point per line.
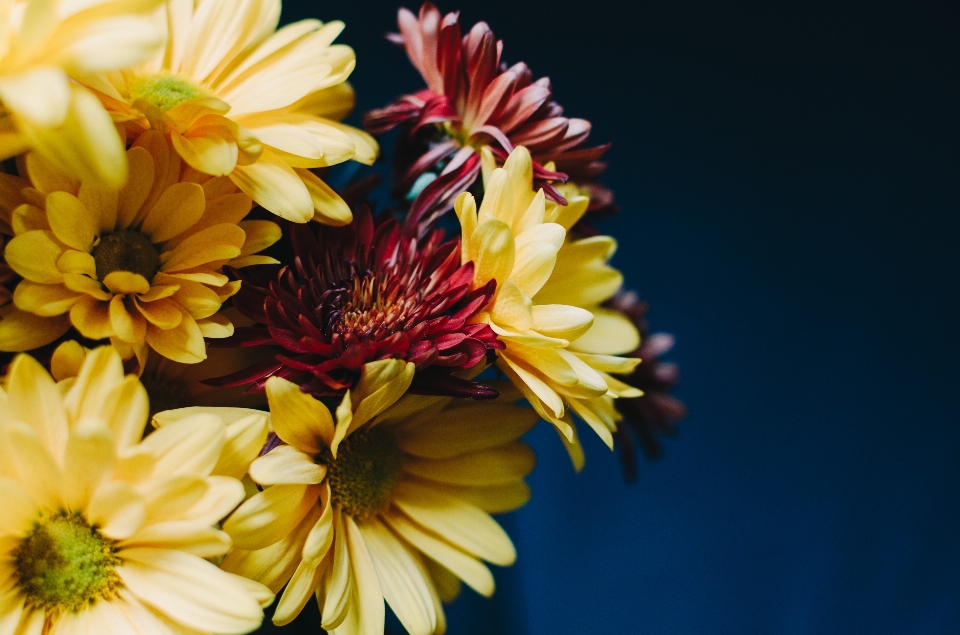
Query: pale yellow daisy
x=561, y=345
x=390, y=501
x=102, y=531
x=142, y=267
x=240, y=98
x=42, y=44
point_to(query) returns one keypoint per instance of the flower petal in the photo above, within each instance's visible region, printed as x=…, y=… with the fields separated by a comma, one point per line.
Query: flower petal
x=189, y=590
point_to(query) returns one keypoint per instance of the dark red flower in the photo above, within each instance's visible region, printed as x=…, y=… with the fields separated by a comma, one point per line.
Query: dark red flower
x=656, y=412
x=358, y=294
x=472, y=101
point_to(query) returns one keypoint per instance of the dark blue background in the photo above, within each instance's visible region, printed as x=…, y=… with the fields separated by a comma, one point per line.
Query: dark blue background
x=788, y=177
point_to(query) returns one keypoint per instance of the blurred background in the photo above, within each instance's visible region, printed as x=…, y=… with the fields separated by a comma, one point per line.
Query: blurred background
x=788, y=175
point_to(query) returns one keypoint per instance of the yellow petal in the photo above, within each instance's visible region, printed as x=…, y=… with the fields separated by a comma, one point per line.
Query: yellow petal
x=73, y=261
x=466, y=567
x=403, y=585
x=612, y=333
x=67, y=360
x=489, y=467
x=45, y=300
x=183, y=344
x=34, y=256
x=135, y=193
x=40, y=96
x=165, y=314
x=178, y=208
x=71, y=222
x=274, y=185
x=220, y=242
x=329, y=208
x=512, y=307
x=123, y=282
x=461, y=524
x=301, y=587
x=271, y=515
x=492, y=247
x=129, y=327
x=286, y=465
x=179, y=585
x=260, y=234
x=298, y=418
x=460, y=431
x=561, y=321
x=208, y=150
x=494, y=499
x=35, y=399
x=92, y=318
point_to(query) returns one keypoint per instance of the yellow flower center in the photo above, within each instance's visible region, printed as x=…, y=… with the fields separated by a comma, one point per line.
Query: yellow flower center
x=64, y=564
x=165, y=91
x=126, y=250
x=365, y=473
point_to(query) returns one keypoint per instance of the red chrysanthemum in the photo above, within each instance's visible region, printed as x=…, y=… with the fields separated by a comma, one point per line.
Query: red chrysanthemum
x=362, y=293
x=472, y=101
x=656, y=412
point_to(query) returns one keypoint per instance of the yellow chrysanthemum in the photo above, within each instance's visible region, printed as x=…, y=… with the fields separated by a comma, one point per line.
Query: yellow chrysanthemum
x=42, y=43
x=19, y=331
x=240, y=98
x=561, y=346
x=385, y=503
x=142, y=266
x=102, y=531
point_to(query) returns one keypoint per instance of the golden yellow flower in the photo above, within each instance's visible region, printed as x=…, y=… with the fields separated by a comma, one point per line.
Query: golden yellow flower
x=19, y=330
x=561, y=346
x=390, y=501
x=240, y=98
x=42, y=43
x=142, y=267
x=102, y=531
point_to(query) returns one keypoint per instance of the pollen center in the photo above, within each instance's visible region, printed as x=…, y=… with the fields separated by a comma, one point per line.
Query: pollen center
x=373, y=309
x=126, y=251
x=64, y=564
x=165, y=91
x=365, y=473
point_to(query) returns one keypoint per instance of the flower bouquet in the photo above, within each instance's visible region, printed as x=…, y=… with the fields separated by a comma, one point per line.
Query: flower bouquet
x=230, y=385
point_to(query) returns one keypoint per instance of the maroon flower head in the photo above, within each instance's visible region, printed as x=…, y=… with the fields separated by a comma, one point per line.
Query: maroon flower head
x=358, y=294
x=472, y=101
x=656, y=412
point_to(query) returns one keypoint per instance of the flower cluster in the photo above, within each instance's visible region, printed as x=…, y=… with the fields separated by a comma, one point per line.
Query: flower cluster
x=225, y=381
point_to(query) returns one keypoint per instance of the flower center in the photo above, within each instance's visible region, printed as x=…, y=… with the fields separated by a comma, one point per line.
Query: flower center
x=365, y=473
x=126, y=250
x=64, y=564
x=371, y=308
x=165, y=91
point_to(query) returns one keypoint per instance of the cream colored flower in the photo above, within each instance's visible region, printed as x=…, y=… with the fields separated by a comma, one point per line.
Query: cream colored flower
x=389, y=501
x=240, y=98
x=142, y=267
x=42, y=44
x=102, y=531
x=561, y=346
